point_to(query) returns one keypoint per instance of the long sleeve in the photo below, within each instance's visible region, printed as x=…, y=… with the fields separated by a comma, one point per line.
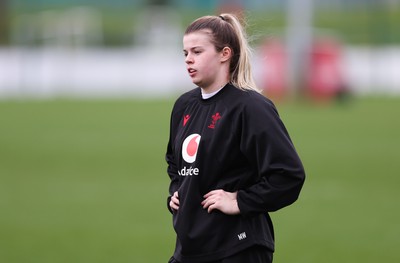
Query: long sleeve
x=240, y=145
x=172, y=170
x=268, y=147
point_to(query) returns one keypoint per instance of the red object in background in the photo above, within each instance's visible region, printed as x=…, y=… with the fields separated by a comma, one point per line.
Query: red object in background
x=274, y=77
x=324, y=77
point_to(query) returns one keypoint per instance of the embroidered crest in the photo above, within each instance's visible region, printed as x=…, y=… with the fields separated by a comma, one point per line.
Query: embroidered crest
x=214, y=119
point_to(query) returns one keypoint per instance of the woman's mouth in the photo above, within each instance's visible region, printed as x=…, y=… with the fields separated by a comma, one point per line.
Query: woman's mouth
x=192, y=72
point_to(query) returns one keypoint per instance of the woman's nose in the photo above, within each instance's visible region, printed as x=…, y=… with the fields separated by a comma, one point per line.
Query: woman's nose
x=188, y=59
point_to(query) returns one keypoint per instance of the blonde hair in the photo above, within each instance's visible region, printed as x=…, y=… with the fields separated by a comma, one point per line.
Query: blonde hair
x=227, y=31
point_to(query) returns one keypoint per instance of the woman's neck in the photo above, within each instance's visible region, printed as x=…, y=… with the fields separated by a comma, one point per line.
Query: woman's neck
x=213, y=88
x=217, y=84
x=209, y=95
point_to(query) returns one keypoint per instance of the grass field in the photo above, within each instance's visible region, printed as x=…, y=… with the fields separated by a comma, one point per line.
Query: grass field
x=85, y=181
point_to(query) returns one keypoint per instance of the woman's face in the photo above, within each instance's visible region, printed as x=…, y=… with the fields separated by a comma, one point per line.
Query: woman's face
x=203, y=62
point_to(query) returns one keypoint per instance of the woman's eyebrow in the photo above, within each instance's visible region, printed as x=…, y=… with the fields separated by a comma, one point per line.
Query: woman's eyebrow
x=192, y=48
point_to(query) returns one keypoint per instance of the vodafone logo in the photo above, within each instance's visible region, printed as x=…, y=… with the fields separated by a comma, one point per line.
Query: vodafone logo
x=190, y=147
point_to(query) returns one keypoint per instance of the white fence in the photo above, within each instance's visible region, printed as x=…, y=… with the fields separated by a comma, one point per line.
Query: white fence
x=53, y=72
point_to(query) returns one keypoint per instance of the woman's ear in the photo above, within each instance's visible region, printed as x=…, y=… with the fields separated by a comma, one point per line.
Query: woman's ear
x=226, y=54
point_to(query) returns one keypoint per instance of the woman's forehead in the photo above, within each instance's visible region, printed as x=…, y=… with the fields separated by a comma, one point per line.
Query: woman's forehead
x=197, y=38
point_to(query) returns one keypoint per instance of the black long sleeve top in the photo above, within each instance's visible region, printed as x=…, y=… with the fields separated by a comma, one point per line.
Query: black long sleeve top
x=233, y=141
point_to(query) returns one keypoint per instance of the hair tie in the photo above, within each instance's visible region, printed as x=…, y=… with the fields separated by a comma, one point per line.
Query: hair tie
x=223, y=18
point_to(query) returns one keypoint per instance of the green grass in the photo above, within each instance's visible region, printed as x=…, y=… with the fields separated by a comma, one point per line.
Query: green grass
x=85, y=181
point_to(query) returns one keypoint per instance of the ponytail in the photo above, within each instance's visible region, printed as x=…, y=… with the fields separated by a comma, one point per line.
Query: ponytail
x=241, y=76
x=227, y=31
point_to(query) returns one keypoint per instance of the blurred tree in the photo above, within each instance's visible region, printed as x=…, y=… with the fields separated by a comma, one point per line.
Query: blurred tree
x=4, y=25
x=235, y=7
x=392, y=8
x=158, y=2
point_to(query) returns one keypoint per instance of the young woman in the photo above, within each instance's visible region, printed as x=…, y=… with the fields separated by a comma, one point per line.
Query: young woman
x=230, y=158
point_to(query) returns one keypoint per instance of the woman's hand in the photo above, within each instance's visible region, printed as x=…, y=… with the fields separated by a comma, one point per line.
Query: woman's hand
x=221, y=200
x=174, y=203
